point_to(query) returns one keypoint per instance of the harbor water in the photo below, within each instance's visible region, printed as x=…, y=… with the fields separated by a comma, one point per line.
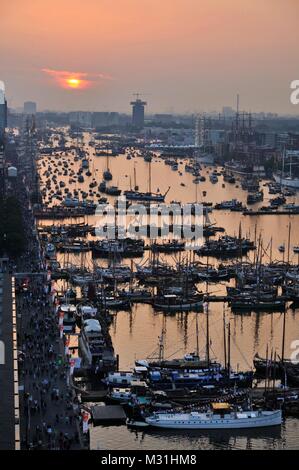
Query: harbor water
x=135, y=333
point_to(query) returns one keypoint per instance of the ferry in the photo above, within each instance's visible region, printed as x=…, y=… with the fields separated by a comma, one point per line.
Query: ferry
x=220, y=417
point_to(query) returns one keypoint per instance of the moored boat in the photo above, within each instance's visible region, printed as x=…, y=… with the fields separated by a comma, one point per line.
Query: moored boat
x=221, y=417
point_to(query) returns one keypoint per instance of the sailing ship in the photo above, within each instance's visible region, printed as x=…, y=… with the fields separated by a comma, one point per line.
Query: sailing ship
x=135, y=195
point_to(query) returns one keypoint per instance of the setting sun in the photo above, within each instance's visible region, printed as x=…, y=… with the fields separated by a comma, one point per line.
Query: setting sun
x=73, y=82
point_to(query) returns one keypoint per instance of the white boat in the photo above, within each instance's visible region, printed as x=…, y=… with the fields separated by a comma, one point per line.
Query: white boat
x=296, y=249
x=289, y=182
x=119, y=378
x=120, y=394
x=82, y=280
x=214, y=420
x=281, y=248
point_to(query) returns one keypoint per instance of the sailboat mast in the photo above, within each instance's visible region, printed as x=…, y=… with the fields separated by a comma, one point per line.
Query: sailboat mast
x=283, y=336
x=197, y=339
x=149, y=178
x=289, y=241
x=135, y=185
x=224, y=338
x=228, y=351
x=208, y=333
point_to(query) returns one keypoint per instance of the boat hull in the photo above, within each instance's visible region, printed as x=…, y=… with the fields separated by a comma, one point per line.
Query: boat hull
x=185, y=307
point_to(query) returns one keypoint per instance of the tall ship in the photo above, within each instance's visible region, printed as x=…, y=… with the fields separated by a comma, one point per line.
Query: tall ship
x=289, y=178
x=135, y=195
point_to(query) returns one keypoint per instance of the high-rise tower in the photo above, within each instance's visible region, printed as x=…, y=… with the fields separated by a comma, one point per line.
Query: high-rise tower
x=138, y=112
x=3, y=111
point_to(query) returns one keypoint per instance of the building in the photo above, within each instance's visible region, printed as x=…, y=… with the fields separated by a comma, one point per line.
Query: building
x=80, y=118
x=105, y=119
x=29, y=107
x=138, y=113
x=164, y=118
x=3, y=112
x=228, y=111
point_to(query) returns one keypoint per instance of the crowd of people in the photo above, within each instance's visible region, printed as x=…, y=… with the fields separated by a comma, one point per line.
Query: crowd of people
x=50, y=410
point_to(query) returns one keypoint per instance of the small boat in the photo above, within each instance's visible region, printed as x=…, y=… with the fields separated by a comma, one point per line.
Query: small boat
x=232, y=205
x=113, y=191
x=85, y=163
x=136, y=424
x=281, y=248
x=102, y=187
x=255, y=197
x=296, y=249
x=167, y=247
x=120, y=395
x=175, y=303
x=213, y=178
x=107, y=175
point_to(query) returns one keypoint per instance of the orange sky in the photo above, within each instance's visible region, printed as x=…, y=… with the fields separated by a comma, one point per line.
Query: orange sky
x=184, y=55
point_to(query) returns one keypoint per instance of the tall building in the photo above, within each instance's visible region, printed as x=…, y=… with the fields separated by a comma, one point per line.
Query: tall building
x=138, y=112
x=3, y=112
x=29, y=107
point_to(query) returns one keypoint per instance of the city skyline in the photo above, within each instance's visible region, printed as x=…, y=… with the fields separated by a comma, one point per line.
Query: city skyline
x=182, y=56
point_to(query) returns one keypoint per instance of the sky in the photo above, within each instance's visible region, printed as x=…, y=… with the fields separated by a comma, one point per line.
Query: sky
x=182, y=56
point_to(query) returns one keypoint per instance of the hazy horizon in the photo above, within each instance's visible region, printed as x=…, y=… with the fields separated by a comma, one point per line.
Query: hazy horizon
x=183, y=56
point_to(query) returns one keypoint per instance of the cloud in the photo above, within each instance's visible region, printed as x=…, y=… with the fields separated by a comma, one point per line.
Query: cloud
x=76, y=80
